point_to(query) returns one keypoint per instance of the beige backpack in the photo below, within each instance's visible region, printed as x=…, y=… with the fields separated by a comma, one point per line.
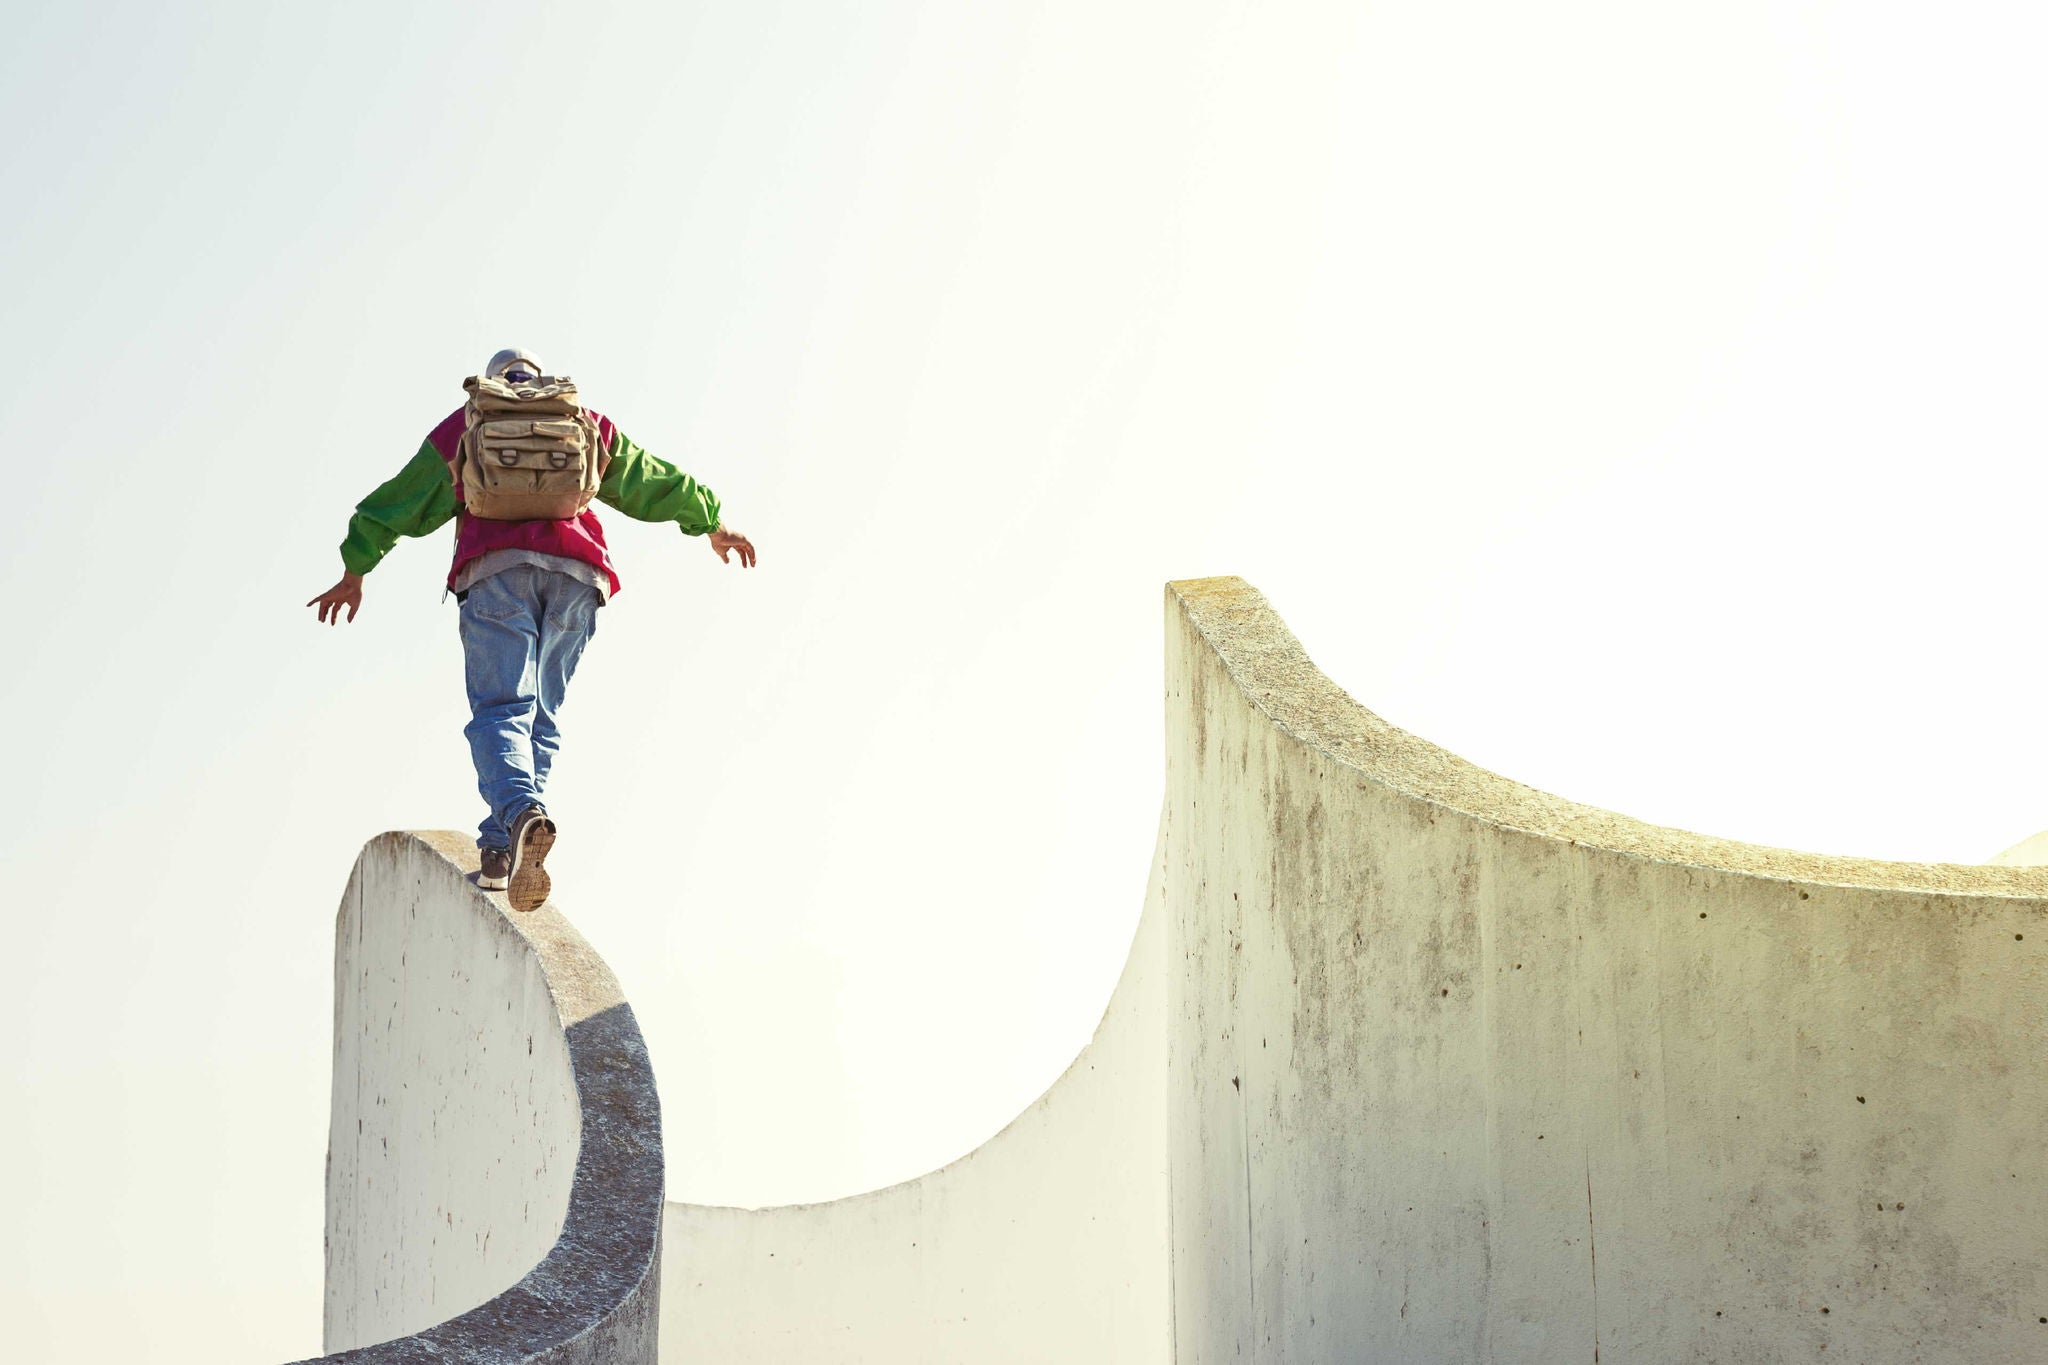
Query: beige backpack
x=529, y=452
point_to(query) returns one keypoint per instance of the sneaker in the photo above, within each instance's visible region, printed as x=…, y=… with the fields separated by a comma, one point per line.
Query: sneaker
x=496, y=869
x=533, y=834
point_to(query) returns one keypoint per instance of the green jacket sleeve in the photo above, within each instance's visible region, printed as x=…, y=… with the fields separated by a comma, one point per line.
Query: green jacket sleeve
x=648, y=489
x=417, y=501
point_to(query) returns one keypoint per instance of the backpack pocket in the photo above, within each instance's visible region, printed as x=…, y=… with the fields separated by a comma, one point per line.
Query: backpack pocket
x=523, y=460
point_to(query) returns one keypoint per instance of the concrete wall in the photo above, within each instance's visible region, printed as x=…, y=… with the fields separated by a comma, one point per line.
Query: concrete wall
x=1409, y=1063
x=1047, y=1243
x=494, y=1161
x=1459, y=1071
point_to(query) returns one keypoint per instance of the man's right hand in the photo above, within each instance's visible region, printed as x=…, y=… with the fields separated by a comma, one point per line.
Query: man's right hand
x=347, y=593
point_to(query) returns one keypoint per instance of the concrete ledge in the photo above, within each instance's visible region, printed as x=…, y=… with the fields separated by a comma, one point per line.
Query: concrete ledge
x=475, y=1048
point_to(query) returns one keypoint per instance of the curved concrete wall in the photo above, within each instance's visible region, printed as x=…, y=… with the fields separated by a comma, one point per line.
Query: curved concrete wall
x=1460, y=1071
x=1414, y=1063
x=1046, y=1243
x=494, y=1160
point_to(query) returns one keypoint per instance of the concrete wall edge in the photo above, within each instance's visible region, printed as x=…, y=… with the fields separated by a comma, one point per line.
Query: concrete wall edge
x=1077, y=1063
x=1267, y=662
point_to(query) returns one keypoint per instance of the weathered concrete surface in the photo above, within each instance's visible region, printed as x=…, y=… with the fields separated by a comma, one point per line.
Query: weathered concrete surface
x=494, y=1161
x=1046, y=1243
x=1460, y=1071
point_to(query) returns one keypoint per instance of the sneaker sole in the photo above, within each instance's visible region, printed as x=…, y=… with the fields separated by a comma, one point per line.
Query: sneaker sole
x=530, y=880
x=490, y=883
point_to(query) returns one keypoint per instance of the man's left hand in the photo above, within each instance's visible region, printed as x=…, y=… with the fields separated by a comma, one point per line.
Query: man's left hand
x=724, y=541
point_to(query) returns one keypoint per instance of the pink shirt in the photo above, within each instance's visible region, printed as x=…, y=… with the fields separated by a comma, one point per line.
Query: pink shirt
x=579, y=537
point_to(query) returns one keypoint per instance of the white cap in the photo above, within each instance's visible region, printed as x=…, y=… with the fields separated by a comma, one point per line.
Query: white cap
x=510, y=359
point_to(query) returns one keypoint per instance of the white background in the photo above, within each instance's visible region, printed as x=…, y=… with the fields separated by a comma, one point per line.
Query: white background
x=1641, y=400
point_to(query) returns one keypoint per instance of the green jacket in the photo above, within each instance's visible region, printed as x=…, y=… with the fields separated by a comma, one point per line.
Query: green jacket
x=420, y=499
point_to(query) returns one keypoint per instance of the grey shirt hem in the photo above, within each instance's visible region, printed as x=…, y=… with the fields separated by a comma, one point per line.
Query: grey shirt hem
x=497, y=561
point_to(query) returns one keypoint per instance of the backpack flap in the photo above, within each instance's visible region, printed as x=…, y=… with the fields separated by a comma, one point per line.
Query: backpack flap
x=528, y=453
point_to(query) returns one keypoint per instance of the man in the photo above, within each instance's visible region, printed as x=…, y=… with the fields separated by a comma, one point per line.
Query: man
x=529, y=594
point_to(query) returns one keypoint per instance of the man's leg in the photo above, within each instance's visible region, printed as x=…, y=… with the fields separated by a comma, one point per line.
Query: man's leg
x=500, y=645
x=568, y=620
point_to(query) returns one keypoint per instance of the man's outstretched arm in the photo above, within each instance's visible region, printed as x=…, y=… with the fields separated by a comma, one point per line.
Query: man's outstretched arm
x=648, y=489
x=417, y=501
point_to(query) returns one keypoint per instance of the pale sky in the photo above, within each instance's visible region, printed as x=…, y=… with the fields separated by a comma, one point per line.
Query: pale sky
x=1640, y=400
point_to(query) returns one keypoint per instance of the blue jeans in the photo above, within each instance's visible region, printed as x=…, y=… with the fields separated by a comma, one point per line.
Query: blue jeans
x=522, y=632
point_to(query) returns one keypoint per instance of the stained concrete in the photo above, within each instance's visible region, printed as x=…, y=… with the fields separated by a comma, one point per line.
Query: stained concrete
x=1461, y=1071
